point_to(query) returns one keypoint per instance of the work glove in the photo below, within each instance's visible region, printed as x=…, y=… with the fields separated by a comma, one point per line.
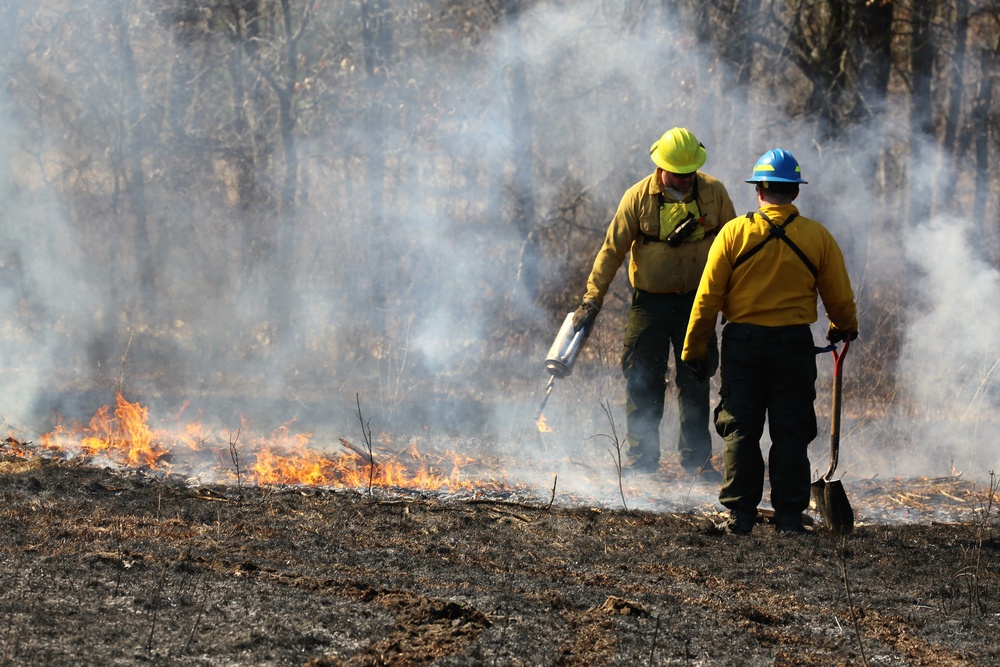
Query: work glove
x=698, y=368
x=835, y=335
x=584, y=316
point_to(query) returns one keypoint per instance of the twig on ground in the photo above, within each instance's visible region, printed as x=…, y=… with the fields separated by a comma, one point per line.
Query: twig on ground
x=12, y=636
x=118, y=536
x=121, y=371
x=235, y=456
x=552, y=498
x=363, y=455
x=974, y=571
x=616, y=448
x=656, y=634
x=156, y=609
x=855, y=621
x=505, y=503
x=696, y=477
x=204, y=602
x=510, y=514
x=366, y=434
x=503, y=633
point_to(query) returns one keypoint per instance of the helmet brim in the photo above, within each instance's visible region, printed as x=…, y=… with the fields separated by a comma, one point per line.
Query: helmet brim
x=700, y=158
x=772, y=179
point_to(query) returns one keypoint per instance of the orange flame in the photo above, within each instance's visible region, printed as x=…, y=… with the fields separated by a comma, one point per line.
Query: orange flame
x=543, y=427
x=282, y=458
x=123, y=437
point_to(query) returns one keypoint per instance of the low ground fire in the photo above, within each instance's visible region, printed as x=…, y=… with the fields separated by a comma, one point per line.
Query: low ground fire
x=118, y=548
x=123, y=436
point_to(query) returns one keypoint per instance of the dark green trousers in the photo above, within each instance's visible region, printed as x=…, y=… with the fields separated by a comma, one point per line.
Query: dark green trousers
x=657, y=323
x=767, y=372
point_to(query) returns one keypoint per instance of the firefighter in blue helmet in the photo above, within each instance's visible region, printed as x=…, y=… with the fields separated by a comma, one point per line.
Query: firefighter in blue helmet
x=666, y=222
x=763, y=274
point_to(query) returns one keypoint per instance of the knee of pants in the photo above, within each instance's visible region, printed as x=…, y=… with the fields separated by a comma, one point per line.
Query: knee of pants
x=728, y=424
x=724, y=422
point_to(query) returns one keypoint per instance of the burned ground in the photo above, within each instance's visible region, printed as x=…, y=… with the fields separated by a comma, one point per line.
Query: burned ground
x=105, y=567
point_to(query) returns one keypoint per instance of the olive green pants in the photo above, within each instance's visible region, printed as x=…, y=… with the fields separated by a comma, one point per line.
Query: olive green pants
x=767, y=372
x=657, y=322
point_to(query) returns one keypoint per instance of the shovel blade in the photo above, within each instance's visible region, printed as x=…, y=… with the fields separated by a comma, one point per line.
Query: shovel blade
x=831, y=499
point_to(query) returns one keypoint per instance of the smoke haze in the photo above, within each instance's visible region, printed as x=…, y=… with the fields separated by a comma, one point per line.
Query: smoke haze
x=406, y=316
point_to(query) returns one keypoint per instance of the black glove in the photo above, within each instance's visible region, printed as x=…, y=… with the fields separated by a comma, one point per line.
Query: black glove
x=698, y=368
x=584, y=316
x=835, y=335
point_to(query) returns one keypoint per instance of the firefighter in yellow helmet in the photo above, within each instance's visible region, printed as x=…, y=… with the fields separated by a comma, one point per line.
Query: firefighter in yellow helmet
x=667, y=222
x=764, y=273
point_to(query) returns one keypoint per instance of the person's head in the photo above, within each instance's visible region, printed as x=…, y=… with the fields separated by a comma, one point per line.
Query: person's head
x=777, y=177
x=677, y=155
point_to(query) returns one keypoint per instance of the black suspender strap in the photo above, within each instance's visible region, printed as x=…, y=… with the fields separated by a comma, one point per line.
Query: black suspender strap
x=776, y=232
x=754, y=250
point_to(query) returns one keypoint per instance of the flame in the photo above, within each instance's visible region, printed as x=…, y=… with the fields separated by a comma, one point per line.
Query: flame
x=543, y=427
x=123, y=437
x=16, y=447
x=283, y=457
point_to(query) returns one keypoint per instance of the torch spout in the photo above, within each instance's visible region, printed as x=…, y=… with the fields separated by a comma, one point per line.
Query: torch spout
x=545, y=399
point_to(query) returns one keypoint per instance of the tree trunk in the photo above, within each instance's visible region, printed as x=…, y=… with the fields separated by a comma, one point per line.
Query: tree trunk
x=132, y=148
x=736, y=80
x=921, y=102
x=377, y=44
x=286, y=122
x=831, y=80
x=181, y=91
x=281, y=294
x=874, y=46
x=250, y=144
x=981, y=131
x=523, y=184
x=952, y=141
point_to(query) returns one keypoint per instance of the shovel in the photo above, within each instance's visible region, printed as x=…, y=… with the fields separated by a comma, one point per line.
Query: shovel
x=829, y=495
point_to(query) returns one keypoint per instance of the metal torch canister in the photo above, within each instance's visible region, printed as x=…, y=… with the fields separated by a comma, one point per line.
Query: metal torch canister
x=559, y=361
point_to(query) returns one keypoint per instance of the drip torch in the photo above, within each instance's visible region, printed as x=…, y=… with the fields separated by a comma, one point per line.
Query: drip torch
x=562, y=355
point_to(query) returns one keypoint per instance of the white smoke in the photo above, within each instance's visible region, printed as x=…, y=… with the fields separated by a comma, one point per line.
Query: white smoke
x=951, y=351
x=599, y=96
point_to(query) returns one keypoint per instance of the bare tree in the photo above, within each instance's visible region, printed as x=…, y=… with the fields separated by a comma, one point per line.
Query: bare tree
x=130, y=181
x=983, y=126
x=250, y=147
x=376, y=39
x=522, y=185
x=278, y=65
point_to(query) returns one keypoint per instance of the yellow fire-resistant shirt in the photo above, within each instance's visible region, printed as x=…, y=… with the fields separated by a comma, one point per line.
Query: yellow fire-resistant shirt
x=774, y=287
x=655, y=266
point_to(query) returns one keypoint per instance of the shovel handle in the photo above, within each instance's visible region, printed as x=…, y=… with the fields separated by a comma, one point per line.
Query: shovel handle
x=838, y=359
x=838, y=366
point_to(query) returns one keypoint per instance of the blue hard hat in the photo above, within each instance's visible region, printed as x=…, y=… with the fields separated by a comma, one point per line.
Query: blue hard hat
x=776, y=166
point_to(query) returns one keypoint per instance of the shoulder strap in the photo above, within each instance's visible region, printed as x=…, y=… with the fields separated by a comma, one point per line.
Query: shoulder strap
x=754, y=250
x=776, y=232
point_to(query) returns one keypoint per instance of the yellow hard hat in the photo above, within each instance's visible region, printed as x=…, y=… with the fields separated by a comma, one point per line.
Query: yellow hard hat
x=678, y=151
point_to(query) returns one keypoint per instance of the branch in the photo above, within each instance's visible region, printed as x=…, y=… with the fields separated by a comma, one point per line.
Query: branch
x=304, y=21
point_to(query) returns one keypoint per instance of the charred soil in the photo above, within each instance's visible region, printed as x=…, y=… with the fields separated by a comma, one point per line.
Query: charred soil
x=102, y=567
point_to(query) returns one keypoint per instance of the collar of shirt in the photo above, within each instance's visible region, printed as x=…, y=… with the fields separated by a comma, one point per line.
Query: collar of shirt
x=659, y=188
x=778, y=211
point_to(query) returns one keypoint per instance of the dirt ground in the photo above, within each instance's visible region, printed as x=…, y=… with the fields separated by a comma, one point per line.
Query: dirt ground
x=105, y=567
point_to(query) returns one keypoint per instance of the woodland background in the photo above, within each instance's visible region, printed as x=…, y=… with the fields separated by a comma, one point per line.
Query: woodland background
x=285, y=206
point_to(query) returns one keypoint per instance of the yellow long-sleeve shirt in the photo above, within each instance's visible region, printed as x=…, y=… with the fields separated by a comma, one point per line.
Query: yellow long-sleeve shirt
x=655, y=266
x=774, y=287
